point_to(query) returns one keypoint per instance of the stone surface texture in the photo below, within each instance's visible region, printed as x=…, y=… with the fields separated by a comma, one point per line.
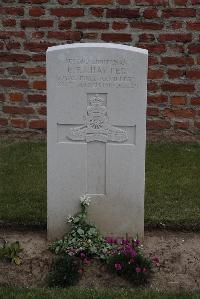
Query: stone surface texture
x=96, y=95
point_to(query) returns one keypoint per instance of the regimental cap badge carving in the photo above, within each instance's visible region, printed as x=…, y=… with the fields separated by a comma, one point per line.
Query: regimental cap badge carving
x=96, y=100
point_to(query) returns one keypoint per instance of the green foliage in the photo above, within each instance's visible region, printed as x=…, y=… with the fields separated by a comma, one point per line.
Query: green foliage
x=64, y=271
x=83, y=237
x=11, y=252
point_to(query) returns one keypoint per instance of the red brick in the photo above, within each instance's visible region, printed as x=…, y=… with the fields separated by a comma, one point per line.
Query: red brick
x=20, y=58
x=2, y=97
x=67, y=12
x=155, y=74
x=13, y=45
x=153, y=48
x=177, y=60
x=197, y=124
x=39, y=85
x=194, y=48
x=193, y=26
x=179, y=12
x=69, y=35
x=175, y=25
x=185, y=113
x=64, y=2
x=147, y=26
x=3, y=121
x=42, y=110
x=92, y=25
x=123, y=2
x=152, y=60
x=65, y=24
x=116, y=37
x=38, y=124
x=150, y=13
x=14, y=11
x=97, y=11
x=152, y=87
x=39, y=57
x=18, y=110
x=193, y=74
x=15, y=70
x=37, y=47
x=9, y=34
x=152, y=111
x=37, y=98
x=18, y=123
x=172, y=74
x=178, y=37
x=175, y=87
x=181, y=125
x=157, y=99
x=36, y=11
x=31, y=71
x=14, y=83
x=36, y=23
x=16, y=97
x=195, y=101
x=34, y=1
x=180, y=2
x=9, y=23
x=145, y=37
x=158, y=124
x=178, y=100
x=95, y=2
x=122, y=13
x=152, y=2
x=119, y=25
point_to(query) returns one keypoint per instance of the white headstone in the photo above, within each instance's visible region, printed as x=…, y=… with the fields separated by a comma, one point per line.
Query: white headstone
x=96, y=99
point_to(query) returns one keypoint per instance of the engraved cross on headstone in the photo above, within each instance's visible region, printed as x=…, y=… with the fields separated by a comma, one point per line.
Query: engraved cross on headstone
x=97, y=132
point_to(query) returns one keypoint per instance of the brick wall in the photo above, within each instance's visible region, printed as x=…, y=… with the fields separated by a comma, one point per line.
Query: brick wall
x=169, y=29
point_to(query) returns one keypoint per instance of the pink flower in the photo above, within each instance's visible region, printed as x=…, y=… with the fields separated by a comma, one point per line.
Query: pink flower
x=144, y=270
x=137, y=269
x=118, y=266
x=155, y=259
x=81, y=271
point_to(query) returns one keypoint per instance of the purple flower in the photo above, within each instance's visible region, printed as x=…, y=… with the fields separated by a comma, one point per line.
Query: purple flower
x=118, y=266
x=155, y=259
x=137, y=242
x=137, y=269
x=82, y=255
x=109, y=240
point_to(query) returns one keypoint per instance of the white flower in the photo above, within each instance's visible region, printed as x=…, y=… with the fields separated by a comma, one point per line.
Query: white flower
x=85, y=200
x=70, y=219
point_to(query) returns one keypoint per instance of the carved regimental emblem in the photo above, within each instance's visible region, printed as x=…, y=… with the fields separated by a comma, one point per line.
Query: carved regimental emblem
x=97, y=127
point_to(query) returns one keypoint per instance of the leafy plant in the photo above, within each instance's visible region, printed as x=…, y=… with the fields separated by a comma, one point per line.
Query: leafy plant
x=11, y=252
x=65, y=271
x=82, y=238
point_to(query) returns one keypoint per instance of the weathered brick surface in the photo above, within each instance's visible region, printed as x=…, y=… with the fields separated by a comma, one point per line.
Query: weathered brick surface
x=169, y=29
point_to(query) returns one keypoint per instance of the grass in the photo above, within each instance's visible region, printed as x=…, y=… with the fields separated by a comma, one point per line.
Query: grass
x=23, y=181
x=172, y=182
x=77, y=293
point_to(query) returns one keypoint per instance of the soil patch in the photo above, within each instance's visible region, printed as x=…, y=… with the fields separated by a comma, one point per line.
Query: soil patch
x=179, y=254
